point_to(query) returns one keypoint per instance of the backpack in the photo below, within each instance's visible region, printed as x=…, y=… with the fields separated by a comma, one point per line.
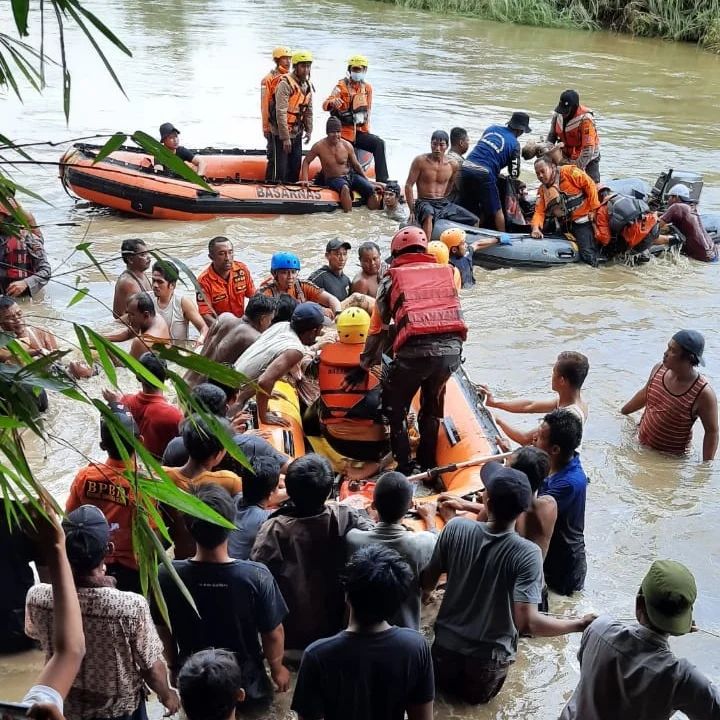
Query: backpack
x=632, y=220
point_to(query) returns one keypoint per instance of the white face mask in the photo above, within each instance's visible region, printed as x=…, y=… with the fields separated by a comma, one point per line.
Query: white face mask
x=357, y=76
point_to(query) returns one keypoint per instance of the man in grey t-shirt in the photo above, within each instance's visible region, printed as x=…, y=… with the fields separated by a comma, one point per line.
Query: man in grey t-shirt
x=494, y=583
x=392, y=499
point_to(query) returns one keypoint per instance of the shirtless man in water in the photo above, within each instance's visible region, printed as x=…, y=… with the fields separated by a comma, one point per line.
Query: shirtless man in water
x=343, y=173
x=230, y=336
x=434, y=174
x=34, y=340
x=132, y=279
x=143, y=325
x=372, y=268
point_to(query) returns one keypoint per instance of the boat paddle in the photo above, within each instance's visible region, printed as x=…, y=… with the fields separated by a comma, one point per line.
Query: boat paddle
x=452, y=467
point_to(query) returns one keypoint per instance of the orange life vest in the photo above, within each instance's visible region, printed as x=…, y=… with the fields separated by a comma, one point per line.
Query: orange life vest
x=423, y=299
x=297, y=103
x=354, y=113
x=336, y=403
x=571, y=133
x=267, y=92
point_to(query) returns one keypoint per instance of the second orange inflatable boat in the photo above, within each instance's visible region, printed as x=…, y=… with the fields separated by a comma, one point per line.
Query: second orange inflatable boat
x=127, y=180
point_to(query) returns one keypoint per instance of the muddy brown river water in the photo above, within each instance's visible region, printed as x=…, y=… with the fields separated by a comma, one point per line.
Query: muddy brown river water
x=198, y=65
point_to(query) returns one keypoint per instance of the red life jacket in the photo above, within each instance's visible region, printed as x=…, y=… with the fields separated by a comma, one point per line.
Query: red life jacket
x=570, y=133
x=423, y=299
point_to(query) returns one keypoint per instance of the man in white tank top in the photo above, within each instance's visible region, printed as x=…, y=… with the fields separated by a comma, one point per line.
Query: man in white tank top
x=277, y=353
x=568, y=375
x=177, y=310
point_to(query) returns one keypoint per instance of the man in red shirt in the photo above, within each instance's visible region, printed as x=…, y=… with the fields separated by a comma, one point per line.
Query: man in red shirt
x=225, y=283
x=104, y=485
x=157, y=419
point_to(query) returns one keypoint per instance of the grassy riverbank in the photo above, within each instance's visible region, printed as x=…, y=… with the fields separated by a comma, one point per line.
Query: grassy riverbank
x=689, y=20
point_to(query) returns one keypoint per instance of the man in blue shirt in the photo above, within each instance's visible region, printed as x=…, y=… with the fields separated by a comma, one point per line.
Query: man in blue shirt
x=497, y=148
x=560, y=435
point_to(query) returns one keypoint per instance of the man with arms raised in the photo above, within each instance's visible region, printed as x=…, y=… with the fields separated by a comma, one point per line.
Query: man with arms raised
x=674, y=397
x=434, y=174
x=343, y=173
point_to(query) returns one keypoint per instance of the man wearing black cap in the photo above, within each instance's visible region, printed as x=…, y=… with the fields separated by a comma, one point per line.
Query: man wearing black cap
x=434, y=174
x=494, y=584
x=497, y=148
x=573, y=125
x=276, y=354
x=122, y=648
x=169, y=137
x=343, y=173
x=629, y=672
x=674, y=397
x=331, y=277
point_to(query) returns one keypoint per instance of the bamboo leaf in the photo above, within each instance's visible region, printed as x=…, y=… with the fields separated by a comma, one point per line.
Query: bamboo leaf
x=100, y=345
x=20, y=10
x=63, y=59
x=81, y=294
x=84, y=344
x=126, y=359
x=85, y=248
x=110, y=147
x=8, y=422
x=171, y=494
x=75, y=15
x=109, y=34
x=202, y=365
x=168, y=159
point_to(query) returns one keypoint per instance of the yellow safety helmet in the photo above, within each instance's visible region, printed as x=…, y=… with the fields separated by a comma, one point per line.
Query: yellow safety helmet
x=440, y=251
x=301, y=56
x=357, y=61
x=352, y=325
x=282, y=51
x=453, y=237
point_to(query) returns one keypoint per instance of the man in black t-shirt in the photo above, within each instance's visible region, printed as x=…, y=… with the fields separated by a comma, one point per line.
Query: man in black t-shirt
x=236, y=600
x=169, y=137
x=372, y=669
x=331, y=277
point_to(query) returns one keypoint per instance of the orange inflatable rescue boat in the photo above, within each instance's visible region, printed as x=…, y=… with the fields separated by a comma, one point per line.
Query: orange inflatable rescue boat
x=467, y=432
x=127, y=180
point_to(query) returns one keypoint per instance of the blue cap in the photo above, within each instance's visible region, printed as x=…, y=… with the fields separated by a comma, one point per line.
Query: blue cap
x=691, y=341
x=308, y=315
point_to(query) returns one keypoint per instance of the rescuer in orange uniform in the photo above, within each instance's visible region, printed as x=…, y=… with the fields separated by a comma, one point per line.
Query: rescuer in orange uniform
x=418, y=295
x=291, y=118
x=351, y=102
x=571, y=196
x=574, y=125
x=281, y=56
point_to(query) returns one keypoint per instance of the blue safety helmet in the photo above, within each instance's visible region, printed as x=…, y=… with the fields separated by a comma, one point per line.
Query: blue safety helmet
x=284, y=261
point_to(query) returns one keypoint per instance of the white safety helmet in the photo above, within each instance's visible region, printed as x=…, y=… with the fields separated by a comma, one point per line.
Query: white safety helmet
x=680, y=191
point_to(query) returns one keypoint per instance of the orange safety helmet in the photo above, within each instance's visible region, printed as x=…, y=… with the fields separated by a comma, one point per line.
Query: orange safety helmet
x=407, y=237
x=440, y=251
x=453, y=237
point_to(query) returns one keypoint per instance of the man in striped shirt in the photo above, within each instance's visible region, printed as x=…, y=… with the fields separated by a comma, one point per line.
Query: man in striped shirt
x=674, y=397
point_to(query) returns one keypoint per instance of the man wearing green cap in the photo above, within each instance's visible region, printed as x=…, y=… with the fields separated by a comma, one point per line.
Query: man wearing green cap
x=628, y=672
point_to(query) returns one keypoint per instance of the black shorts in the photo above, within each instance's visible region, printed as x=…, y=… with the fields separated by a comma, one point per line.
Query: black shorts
x=443, y=209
